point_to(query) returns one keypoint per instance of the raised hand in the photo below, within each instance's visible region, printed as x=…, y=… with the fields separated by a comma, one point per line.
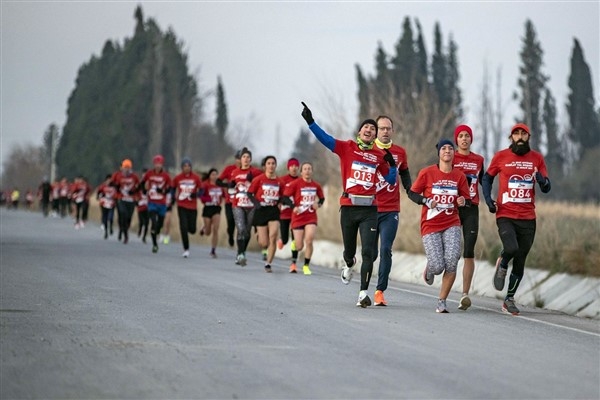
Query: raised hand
x=307, y=114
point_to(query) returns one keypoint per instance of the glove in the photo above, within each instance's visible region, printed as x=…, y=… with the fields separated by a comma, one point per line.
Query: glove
x=193, y=195
x=389, y=158
x=307, y=114
x=159, y=190
x=249, y=177
x=539, y=178
x=491, y=206
x=231, y=184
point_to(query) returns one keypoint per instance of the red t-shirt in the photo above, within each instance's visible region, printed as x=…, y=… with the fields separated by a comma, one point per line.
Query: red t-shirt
x=126, y=185
x=304, y=195
x=286, y=211
x=516, y=189
x=186, y=187
x=444, y=188
x=55, y=191
x=388, y=196
x=359, y=169
x=80, y=192
x=107, y=195
x=157, y=186
x=239, y=192
x=213, y=194
x=472, y=166
x=225, y=176
x=266, y=190
x=142, y=202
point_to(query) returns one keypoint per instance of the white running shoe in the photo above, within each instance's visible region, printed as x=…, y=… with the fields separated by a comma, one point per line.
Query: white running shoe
x=186, y=254
x=364, y=300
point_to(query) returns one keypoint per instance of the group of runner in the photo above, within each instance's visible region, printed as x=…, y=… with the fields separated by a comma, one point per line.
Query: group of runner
x=253, y=198
x=448, y=192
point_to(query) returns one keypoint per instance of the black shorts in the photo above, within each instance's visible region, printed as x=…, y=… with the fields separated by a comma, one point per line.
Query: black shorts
x=469, y=219
x=210, y=211
x=263, y=215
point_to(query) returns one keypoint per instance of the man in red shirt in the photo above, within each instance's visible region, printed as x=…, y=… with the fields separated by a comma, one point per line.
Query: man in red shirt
x=126, y=182
x=471, y=165
x=223, y=181
x=359, y=164
x=519, y=169
x=285, y=217
x=388, y=204
x=440, y=189
x=157, y=184
x=185, y=190
x=106, y=194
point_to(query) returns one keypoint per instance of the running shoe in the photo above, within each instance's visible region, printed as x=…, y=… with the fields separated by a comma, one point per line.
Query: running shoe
x=509, y=306
x=241, y=260
x=268, y=269
x=105, y=234
x=293, y=245
x=186, y=254
x=167, y=239
x=264, y=255
x=379, y=299
x=279, y=244
x=306, y=270
x=465, y=302
x=499, y=275
x=428, y=276
x=347, y=272
x=293, y=268
x=213, y=254
x=155, y=249
x=441, y=307
x=364, y=300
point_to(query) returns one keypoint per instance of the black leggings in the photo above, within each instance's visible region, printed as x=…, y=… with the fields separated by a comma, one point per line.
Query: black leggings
x=284, y=227
x=360, y=220
x=517, y=238
x=143, y=222
x=187, y=224
x=230, y=220
x=469, y=219
x=125, y=211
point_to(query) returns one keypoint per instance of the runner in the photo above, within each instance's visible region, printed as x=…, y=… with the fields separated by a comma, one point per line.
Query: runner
x=471, y=165
x=223, y=181
x=157, y=184
x=63, y=197
x=45, y=194
x=243, y=209
x=388, y=204
x=212, y=198
x=285, y=216
x=126, y=182
x=440, y=189
x=265, y=192
x=186, y=187
x=519, y=168
x=359, y=164
x=142, y=211
x=301, y=195
x=106, y=194
x=80, y=191
x=55, y=198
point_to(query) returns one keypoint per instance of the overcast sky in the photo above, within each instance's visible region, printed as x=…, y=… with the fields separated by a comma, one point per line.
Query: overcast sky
x=272, y=55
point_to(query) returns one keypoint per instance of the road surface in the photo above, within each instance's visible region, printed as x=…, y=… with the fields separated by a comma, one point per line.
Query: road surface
x=83, y=317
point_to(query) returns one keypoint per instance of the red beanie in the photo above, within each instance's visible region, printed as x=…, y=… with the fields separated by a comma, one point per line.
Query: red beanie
x=292, y=162
x=461, y=128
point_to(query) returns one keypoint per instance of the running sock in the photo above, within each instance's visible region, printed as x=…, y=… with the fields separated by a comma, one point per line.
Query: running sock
x=306, y=261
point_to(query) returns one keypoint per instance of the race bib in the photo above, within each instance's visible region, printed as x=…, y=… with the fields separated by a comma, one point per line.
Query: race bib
x=361, y=174
x=519, y=191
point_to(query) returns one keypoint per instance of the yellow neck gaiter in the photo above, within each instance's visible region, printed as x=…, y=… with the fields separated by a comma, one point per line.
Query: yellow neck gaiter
x=383, y=145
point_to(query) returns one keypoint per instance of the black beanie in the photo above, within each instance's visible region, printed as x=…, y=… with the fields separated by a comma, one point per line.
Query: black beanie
x=442, y=143
x=368, y=121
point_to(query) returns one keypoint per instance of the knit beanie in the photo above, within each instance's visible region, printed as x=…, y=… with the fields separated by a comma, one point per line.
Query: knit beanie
x=461, y=128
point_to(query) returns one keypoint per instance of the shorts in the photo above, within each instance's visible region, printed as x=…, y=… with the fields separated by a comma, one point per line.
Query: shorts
x=301, y=227
x=469, y=219
x=210, y=211
x=263, y=215
x=160, y=209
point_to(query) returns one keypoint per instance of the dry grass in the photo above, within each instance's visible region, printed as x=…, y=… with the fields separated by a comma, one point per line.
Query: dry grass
x=567, y=237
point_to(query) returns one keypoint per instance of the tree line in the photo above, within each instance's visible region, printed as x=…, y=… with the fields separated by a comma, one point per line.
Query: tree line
x=138, y=98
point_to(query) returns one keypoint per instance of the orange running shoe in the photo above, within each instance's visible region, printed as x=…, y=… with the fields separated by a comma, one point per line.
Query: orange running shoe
x=379, y=299
x=293, y=269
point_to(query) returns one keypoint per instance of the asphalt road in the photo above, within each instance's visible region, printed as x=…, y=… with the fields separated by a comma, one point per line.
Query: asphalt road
x=83, y=317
